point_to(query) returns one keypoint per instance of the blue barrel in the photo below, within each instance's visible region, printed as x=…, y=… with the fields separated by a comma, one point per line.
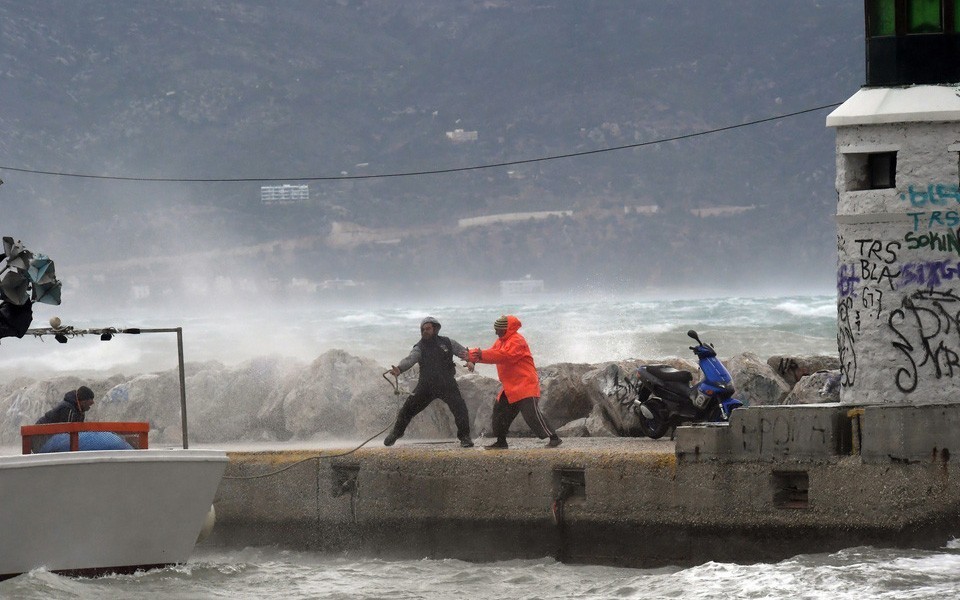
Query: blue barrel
x=88, y=440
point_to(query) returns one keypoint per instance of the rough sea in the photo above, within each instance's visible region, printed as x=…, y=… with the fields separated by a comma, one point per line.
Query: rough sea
x=590, y=331
x=274, y=574
x=558, y=330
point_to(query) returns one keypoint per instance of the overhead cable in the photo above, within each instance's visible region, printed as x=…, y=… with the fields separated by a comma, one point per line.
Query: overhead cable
x=425, y=172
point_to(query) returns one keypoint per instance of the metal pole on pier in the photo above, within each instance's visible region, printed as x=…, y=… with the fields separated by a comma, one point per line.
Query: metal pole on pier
x=183, y=387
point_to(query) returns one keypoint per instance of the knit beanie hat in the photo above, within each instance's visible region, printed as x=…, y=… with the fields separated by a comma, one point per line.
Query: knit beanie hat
x=432, y=321
x=500, y=323
x=81, y=393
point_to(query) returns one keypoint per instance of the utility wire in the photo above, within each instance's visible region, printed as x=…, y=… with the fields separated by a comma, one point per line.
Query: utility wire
x=427, y=172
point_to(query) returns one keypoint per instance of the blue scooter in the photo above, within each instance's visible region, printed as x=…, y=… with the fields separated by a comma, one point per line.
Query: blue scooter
x=666, y=399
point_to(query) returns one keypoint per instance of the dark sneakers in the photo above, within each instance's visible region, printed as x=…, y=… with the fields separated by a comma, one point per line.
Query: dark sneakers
x=466, y=443
x=497, y=445
x=554, y=442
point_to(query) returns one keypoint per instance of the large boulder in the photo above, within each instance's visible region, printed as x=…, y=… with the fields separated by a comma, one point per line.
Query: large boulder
x=226, y=405
x=25, y=403
x=327, y=396
x=793, y=368
x=576, y=428
x=755, y=381
x=564, y=397
x=593, y=425
x=820, y=387
x=613, y=388
x=340, y=396
x=150, y=397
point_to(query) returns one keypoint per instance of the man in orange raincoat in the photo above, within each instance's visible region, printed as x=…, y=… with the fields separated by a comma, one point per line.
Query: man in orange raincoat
x=521, y=384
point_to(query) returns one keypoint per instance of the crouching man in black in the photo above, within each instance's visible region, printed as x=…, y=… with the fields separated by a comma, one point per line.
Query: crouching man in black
x=434, y=353
x=71, y=409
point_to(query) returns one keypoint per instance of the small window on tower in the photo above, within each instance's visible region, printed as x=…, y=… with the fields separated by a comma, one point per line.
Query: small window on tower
x=870, y=171
x=924, y=16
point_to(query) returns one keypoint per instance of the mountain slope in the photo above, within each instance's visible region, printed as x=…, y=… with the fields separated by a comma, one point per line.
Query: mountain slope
x=222, y=89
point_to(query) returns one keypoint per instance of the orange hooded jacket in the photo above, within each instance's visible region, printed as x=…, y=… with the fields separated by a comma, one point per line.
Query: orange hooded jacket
x=515, y=367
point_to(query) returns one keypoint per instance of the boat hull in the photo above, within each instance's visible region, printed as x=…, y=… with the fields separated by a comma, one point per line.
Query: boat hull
x=104, y=511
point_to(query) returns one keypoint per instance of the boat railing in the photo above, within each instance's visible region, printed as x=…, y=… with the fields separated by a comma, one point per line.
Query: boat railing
x=34, y=436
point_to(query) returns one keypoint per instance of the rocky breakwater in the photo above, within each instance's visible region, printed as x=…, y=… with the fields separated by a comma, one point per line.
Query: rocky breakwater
x=343, y=397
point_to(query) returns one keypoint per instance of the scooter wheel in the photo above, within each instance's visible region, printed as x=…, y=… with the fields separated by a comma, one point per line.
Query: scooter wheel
x=715, y=415
x=652, y=426
x=643, y=393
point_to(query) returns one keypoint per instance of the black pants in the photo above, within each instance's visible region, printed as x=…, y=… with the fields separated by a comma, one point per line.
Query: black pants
x=505, y=412
x=421, y=398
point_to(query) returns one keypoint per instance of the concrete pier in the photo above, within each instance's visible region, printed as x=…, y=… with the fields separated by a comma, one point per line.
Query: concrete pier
x=775, y=482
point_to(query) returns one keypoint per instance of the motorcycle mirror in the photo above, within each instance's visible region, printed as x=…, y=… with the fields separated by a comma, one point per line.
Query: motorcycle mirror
x=694, y=335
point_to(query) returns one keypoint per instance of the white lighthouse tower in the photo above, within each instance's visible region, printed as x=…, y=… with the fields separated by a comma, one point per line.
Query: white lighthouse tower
x=898, y=210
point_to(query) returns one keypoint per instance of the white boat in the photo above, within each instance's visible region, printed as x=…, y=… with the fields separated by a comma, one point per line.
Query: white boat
x=89, y=498
x=93, y=512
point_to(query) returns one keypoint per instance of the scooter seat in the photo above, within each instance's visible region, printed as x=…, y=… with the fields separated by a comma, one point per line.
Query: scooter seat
x=668, y=373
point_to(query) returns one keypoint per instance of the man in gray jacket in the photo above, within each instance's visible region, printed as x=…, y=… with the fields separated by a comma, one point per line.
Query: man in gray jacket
x=434, y=353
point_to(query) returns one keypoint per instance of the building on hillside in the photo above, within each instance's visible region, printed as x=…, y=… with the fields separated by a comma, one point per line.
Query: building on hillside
x=284, y=194
x=511, y=217
x=521, y=288
x=721, y=211
x=459, y=135
x=898, y=209
x=641, y=209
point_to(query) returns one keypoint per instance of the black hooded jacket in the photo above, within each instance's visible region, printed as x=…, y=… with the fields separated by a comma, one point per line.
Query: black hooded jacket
x=436, y=362
x=65, y=412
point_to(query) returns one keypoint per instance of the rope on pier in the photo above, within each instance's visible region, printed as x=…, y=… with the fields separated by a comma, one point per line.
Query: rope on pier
x=317, y=457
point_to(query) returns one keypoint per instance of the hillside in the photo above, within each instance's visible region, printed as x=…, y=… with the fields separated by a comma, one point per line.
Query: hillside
x=246, y=90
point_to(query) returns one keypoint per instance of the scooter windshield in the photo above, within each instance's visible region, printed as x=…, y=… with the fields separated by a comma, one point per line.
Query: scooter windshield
x=714, y=372
x=704, y=352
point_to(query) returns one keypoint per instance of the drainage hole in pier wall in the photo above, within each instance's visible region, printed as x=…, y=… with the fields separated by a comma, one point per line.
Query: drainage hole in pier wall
x=790, y=489
x=569, y=483
x=344, y=479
